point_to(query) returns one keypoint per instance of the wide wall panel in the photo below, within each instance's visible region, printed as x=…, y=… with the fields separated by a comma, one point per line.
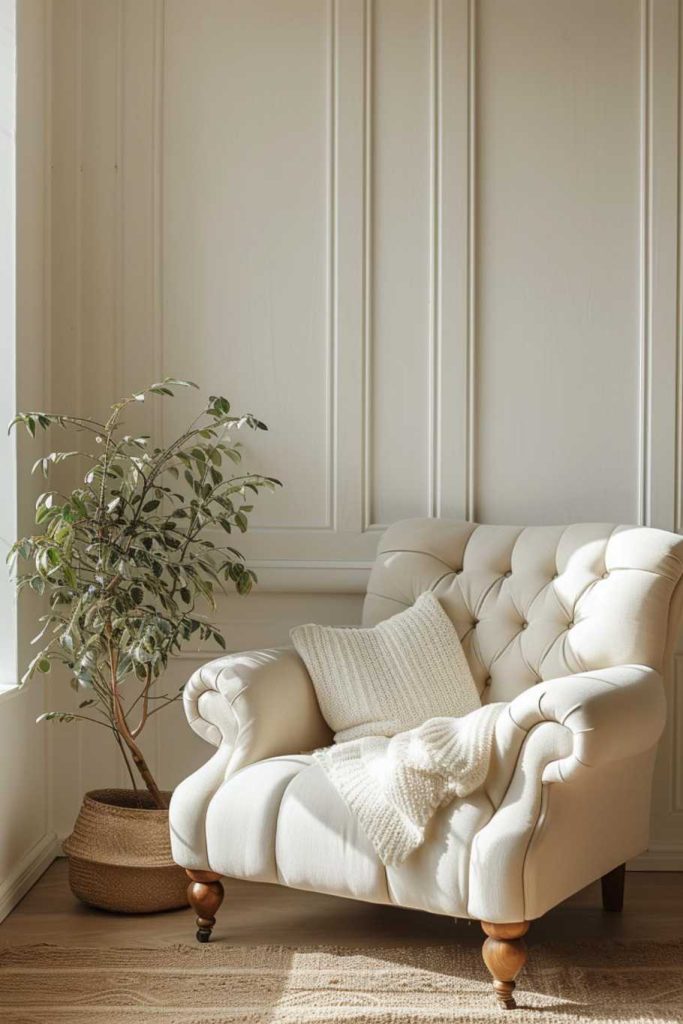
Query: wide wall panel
x=247, y=171
x=432, y=243
x=558, y=190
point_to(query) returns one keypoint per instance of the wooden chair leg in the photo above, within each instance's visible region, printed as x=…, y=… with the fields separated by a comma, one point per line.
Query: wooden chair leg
x=613, y=889
x=505, y=954
x=205, y=895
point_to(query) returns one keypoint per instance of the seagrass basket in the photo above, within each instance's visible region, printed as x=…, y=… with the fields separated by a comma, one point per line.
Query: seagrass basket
x=120, y=854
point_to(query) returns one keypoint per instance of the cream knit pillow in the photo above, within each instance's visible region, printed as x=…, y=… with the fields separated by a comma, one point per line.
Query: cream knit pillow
x=395, y=676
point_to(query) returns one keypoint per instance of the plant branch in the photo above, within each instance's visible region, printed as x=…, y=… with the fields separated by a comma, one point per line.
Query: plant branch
x=125, y=558
x=125, y=734
x=145, y=704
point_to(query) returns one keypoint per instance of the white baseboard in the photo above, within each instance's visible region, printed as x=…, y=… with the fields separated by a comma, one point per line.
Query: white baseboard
x=660, y=857
x=29, y=869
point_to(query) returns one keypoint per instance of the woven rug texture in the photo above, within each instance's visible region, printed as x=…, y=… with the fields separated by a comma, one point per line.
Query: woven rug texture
x=223, y=984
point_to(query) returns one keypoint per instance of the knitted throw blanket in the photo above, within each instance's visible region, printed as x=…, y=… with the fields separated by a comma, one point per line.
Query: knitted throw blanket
x=394, y=786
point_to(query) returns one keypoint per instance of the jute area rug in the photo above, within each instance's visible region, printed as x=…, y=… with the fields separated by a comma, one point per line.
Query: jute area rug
x=223, y=984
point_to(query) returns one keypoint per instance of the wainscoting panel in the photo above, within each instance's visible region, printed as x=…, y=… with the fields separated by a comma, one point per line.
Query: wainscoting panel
x=248, y=231
x=402, y=216
x=434, y=244
x=558, y=260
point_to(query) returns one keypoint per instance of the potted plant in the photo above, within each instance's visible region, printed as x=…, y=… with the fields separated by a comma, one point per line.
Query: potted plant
x=125, y=559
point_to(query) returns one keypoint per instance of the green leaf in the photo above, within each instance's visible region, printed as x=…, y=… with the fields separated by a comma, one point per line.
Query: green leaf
x=123, y=557
x=244, y=583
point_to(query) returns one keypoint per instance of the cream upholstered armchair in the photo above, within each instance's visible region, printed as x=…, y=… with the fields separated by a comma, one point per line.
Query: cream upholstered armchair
x=570, y=625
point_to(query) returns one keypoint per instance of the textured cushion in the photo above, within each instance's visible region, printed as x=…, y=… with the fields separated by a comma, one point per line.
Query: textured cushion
x=378, y=682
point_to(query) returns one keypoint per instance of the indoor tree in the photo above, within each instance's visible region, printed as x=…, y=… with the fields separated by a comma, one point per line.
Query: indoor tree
x=126, y=558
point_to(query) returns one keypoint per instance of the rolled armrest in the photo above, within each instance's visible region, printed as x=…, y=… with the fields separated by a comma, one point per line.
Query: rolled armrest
x=570, y=787
x=612, y=714
x=260, y=703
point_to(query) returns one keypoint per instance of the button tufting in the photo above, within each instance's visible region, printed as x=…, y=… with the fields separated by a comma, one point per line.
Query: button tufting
x=570, y=624
x=508, y=574
x=487, y=681
x=555, y=575
x=475, y=622
x=605, y=574
x=524, y=625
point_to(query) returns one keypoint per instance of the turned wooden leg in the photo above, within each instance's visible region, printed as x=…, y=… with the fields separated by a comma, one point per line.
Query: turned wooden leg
x=613, y=889
x=205, y=895
x=505, y=954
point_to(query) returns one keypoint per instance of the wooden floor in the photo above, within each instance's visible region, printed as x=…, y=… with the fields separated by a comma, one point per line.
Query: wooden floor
x=255, y=914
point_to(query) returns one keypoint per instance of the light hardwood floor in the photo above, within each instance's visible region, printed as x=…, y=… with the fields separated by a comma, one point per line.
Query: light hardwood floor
x=255, y=914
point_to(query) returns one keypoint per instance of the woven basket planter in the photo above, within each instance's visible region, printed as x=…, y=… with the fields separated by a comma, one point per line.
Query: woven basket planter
x=120, y=855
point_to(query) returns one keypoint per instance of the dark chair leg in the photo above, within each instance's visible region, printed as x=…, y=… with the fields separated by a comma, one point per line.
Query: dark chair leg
x=613, y=889
x=205, y=895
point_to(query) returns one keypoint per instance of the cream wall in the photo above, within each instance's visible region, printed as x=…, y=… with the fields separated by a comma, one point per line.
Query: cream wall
x=27, y=838
x=433, y=243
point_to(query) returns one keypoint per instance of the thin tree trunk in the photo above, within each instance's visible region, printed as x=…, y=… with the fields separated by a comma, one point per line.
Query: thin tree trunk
x=143, y=768
x=125, y=734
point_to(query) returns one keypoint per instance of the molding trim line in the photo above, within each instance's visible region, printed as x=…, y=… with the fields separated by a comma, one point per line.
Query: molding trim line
x=645, y=259
x=471, y=336
x=311, y=577
x=27, y=872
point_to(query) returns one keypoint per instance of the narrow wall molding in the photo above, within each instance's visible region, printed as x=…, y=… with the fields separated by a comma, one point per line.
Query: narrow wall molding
x=332, y=311
x=435, y=228
x=678, y=451
x=157, y=197
x=471, y=366
x=433, y=498
x=47, y=208
x=368, y=247
x=119, y=297
x=78, y=213
x=645, y=268
x=157, y=259
x=47, y=318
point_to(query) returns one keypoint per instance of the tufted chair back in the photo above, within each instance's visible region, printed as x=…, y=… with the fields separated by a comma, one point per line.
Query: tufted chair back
x=534, y=603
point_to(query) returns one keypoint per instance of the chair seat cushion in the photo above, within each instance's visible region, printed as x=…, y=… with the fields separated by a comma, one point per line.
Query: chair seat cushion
x=281, y=820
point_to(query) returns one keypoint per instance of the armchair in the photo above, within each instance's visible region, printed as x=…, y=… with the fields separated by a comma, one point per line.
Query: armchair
x=571, y=626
